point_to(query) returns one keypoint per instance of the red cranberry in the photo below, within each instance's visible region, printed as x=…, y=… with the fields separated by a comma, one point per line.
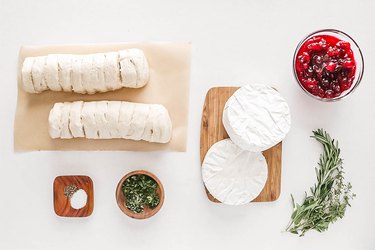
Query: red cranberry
x=348, y=64
x=337, y=89
x=331, y=66
x=329, y=93
x=343, y=44
x=333, y=51
x=325, y=66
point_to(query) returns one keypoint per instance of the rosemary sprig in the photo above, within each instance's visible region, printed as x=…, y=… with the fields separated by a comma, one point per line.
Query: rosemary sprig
x=329, y=197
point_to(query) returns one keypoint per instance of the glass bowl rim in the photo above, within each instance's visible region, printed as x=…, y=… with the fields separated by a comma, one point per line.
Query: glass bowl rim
x=351, y=90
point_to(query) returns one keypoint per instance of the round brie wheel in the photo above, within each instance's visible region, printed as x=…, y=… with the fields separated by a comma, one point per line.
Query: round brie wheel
x=256, y=117
x=232, y=175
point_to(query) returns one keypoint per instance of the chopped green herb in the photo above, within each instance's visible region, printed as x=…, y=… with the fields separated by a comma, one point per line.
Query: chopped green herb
x=140, y=191
x=329, y=197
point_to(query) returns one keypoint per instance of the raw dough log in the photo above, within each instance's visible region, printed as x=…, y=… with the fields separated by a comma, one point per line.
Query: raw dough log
x=85, y=74
x=110, y=119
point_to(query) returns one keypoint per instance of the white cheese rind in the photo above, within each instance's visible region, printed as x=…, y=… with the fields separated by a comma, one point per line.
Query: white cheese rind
x=86, y=74
x=111, y=119
x=232, y=175
x=256, y=117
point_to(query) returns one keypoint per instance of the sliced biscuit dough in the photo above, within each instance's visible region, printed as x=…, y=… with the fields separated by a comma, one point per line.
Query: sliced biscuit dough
x=112, y=71
x=101, y=119
x=38, y=76
x=75, y=124
x=65, y=120
x=65, y=69
x=27, y=78
x=51, y=72
x=141, y=67
x=86, y=74
x=55, y=121
x=125, y=119
x=76, y=78
x=127, y=69
x=89, y=77
x=98, y=65
x=138, y=122
x=162, y=129
x=88, y=120
x=111, y=119
x=149, y=124
x=113, y=116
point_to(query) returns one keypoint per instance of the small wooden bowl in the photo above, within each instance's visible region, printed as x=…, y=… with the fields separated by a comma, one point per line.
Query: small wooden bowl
x=61, y=203
x=148, y=212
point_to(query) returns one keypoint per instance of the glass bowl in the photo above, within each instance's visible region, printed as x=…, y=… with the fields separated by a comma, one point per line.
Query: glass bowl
x=357, y=56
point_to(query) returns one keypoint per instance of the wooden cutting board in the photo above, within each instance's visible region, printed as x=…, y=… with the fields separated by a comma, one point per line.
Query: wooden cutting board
x=212, y=131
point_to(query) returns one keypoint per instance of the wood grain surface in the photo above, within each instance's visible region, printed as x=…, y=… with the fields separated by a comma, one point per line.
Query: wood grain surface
x=148, y=212
x=212, y=131
x=62, y=203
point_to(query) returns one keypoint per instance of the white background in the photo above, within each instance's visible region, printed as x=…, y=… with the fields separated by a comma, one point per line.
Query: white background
x=234, y=43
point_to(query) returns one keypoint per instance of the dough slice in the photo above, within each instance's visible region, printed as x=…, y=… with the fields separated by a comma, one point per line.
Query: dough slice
x=55, y=120
x=65, y=120
x=65, y=70
x=89, y=75
x=149, y=125
x=76, y=78
x=27, y=78
x=75, y=124
x=112, y=71
x=98, y=65
x=113, y=116
x=51, y=71
x=101, y=119
x=232, y=175
x=138, y=122
x=127, y=69
x=141, y=66
x=125, y=119
x=38, y=75
x=162, y=125
x=88, y=120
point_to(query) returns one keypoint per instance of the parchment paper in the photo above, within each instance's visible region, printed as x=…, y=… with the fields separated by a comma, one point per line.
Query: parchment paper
x=169, y=85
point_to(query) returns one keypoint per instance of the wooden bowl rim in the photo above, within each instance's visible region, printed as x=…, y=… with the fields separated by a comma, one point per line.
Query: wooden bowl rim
x=130, y=213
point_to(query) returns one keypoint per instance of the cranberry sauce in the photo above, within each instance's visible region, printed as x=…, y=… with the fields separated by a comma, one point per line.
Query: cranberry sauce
x=325, y=66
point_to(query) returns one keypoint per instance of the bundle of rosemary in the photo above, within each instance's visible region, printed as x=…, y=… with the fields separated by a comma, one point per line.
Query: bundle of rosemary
x=329, y=197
